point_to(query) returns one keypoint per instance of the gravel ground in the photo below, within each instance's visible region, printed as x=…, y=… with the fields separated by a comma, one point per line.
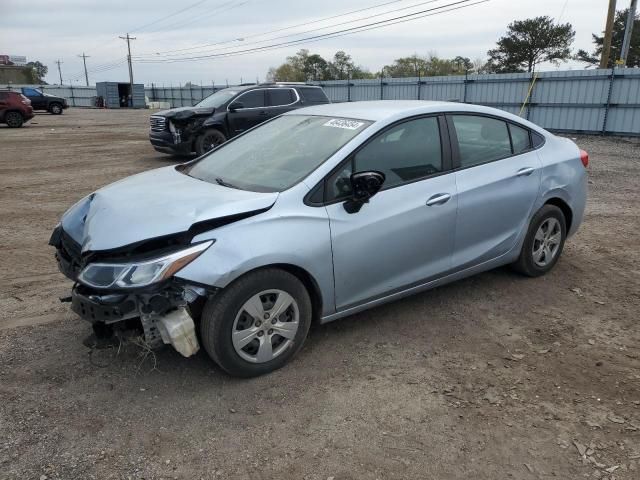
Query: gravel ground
x=496, y=376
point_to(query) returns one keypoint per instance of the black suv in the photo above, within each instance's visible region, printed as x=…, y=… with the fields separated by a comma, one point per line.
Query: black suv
x=44, y=101
x=225, y=114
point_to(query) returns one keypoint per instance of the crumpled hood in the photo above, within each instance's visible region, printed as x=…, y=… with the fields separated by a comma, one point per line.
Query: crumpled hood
x=181, y=113
x=153, y=204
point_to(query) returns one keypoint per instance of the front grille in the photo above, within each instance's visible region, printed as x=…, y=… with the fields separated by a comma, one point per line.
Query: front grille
x=157, y=124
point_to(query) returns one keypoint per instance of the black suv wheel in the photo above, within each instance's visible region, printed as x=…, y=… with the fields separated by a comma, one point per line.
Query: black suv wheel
x=208, y=140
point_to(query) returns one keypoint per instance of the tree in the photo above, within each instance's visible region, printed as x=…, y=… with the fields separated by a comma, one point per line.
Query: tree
x=430, y=66
x=38, y=71
x=412, y=66
x=616, y=43
x=304, y=67
x=531, y=42
x=316, y=67
x=341, y=66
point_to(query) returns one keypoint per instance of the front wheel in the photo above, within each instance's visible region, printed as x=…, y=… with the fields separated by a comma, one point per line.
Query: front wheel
x=257, y=323
x=55, y=108
x=544, y=242
x=208, y=140
x=14, y=119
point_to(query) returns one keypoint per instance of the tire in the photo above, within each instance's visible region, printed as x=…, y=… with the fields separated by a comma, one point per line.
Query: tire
x=55, y=108
x=14, y=119
x=225, y=314
x=547, y=224
x=208, y=140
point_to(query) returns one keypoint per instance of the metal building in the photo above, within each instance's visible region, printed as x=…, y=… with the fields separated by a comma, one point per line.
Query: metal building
x=119, y=95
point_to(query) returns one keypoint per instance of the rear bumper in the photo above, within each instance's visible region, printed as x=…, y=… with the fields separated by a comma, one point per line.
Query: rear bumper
x=164, y=142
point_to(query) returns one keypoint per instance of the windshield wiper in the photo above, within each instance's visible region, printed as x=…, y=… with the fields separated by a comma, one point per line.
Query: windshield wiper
x=220, y=181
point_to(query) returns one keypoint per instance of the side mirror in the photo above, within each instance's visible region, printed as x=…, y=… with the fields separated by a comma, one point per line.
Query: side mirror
x=236, y=106
x=364, y=185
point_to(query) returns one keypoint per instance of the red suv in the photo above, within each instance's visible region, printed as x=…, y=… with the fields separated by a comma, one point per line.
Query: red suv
x=15, y=108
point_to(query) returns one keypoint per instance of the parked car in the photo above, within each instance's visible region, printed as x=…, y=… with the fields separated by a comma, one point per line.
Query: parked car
x=45, y=101
x=318, y=214
x=225, y=114
x=15, y=108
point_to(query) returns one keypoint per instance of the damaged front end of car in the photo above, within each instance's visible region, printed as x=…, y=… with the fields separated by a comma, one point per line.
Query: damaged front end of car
x=134, y=288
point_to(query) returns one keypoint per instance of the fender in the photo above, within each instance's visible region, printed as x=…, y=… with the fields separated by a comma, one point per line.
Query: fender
x=217, y=120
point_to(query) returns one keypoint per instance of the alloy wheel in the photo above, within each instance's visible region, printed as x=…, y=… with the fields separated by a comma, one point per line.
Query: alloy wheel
x=546, y=242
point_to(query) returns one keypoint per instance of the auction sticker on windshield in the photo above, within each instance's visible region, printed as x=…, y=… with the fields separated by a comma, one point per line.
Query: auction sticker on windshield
x=342, y=123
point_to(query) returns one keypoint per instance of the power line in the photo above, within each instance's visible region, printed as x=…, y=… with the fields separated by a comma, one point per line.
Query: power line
x=173, y=14
x=188, y=21
x=277, y=30
x=315, y=29
x=178, y=12
x=338, y=33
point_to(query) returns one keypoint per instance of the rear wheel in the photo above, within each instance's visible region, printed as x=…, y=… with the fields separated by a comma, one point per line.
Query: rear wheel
x=14, y=119
x=55, y=108
x=208, y=140
x=256, y=324
x=544, y=242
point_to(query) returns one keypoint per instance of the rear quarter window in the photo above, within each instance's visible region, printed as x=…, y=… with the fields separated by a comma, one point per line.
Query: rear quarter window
x=538, y=140
x=314, y=95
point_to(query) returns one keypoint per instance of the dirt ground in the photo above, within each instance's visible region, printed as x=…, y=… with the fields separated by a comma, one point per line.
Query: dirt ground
x=493, y=377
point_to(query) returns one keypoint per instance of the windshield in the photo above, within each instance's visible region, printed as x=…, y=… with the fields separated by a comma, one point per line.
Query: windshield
x=217, y=99
x=278, y=154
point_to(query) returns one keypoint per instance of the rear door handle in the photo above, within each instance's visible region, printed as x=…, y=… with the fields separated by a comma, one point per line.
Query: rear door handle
x=438, y=199
x=524, y=172
x=262, y=113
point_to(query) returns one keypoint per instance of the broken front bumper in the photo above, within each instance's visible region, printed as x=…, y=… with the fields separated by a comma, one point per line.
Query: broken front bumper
x=161, y=314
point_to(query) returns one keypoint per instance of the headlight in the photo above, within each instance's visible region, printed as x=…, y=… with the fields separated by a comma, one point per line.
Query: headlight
x=140, y=274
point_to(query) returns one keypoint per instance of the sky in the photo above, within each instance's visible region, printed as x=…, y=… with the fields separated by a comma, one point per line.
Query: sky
x=48, y=30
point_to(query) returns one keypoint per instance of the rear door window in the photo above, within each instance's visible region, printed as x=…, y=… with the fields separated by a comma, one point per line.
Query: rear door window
x=281, y=96
x=481, y=139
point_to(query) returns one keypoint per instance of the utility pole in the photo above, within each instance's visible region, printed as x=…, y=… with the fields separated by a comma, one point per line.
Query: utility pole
x=128, y=39
x=608, y=34
x=59, y=71
x=624, y=54
x=84, y=60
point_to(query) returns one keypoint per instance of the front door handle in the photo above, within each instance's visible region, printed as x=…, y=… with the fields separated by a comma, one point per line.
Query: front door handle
x=525, y=172
x=262, y=113
x=438, y=199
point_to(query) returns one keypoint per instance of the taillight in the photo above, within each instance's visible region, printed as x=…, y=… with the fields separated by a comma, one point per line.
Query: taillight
x=584, y=157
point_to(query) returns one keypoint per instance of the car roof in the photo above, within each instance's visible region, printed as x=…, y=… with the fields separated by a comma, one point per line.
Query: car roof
x=373, y=110
x=254, y=86
x=392, y=110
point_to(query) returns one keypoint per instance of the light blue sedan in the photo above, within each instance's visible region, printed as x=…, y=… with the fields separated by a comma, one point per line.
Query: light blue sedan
x=315, y=215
